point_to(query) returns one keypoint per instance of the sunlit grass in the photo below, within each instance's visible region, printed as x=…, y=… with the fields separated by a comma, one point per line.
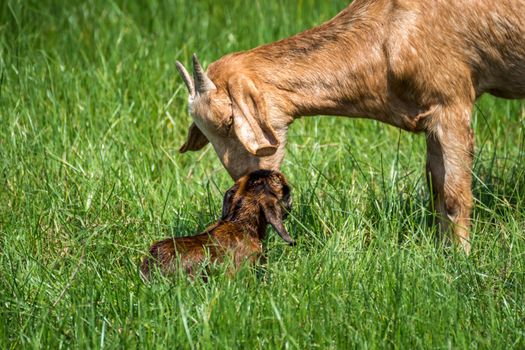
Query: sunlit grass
x=92, y=113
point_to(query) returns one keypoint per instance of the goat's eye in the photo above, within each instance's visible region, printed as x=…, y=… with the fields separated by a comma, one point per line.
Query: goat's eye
x=225, y=126
x=228, y=126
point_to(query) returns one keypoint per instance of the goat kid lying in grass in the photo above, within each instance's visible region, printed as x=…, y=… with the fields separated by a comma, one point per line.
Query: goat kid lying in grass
x=257, y=199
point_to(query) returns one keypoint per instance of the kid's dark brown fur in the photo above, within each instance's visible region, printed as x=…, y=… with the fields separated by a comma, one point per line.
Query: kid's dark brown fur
x=257, y=199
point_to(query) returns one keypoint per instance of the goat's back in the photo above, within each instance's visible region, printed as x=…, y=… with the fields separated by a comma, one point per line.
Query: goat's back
x=222, y=241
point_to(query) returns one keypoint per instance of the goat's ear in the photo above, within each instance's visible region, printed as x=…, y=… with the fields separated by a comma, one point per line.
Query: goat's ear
x=250, y=117
x=195, y=141
x=274, y=216
x=227, y=202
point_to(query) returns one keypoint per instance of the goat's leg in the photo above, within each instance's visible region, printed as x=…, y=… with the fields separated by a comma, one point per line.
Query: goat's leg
x=450, y=146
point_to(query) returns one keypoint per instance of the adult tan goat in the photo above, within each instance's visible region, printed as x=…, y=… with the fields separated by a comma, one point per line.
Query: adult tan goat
x=416, y=64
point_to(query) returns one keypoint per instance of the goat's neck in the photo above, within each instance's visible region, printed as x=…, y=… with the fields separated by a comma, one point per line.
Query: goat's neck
x=335, y=69
x=252, y=224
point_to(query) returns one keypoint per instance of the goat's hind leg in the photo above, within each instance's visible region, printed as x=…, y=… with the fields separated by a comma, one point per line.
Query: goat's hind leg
x=450, y=146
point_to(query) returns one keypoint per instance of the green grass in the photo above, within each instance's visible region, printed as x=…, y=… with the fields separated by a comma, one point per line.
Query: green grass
x=92, y=113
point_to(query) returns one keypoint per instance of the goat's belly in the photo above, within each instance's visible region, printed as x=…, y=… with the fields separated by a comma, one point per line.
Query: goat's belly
x=508, y=93
x=496, y=47
x=506, y=80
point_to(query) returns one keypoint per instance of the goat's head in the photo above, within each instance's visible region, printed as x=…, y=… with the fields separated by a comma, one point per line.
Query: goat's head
x=230, y=111
x=262, y=192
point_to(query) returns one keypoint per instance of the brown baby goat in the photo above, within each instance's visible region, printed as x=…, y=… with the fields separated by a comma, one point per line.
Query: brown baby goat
x=257, y=199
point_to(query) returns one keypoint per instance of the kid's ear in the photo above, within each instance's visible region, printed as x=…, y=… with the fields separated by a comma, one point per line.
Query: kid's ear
x=274, y=216
x=227, y=202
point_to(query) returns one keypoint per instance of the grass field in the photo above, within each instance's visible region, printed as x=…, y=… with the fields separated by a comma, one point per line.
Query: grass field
x=92, y=113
